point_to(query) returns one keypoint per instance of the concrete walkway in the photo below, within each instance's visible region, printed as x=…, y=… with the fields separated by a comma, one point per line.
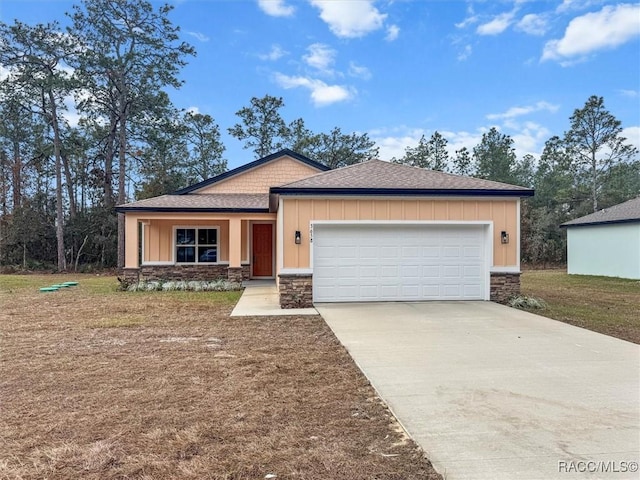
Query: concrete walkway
x=260, y=298
x=490, y=392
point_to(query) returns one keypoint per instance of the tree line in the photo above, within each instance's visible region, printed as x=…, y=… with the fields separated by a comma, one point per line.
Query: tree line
x=88, y=123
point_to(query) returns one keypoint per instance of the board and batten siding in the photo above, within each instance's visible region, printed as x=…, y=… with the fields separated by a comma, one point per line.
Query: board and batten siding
x=609, y=250
x=159, y=242
x=298, y=213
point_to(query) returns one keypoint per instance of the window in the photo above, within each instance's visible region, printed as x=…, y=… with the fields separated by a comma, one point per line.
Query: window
x=196, y=245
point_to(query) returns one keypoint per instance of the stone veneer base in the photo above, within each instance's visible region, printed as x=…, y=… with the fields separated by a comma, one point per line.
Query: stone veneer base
x=186, y=272
x=504, y=286
x=296, y=290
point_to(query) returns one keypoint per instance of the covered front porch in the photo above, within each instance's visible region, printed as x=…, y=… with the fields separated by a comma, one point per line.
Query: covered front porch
x=199, y=246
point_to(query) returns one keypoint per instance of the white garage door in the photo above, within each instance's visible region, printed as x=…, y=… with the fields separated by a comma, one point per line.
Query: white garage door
x=363, y=263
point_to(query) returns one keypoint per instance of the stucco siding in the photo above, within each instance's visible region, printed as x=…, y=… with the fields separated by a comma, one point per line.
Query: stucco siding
x=258, y=180
x=299, y=212
x=609, y=250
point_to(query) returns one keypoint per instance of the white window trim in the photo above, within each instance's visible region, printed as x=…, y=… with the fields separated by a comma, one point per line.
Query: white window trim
x=196, y=227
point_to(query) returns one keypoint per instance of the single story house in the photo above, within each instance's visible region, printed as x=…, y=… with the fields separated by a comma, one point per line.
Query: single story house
x=375, y=231
x=606, y=242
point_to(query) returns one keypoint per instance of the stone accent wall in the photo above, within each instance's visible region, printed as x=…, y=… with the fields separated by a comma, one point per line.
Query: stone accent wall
x=504, y=286
x=185, y=272
x=234, y=274
x=296, y=290
x=130, y=275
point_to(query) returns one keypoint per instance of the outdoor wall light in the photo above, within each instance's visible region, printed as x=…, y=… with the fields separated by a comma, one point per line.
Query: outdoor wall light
x=504, y=237
x=297, y=238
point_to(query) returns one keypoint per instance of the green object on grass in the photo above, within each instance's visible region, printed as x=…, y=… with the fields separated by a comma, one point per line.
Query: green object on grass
x=49, y=289
x=70, y=284
x=60, y=285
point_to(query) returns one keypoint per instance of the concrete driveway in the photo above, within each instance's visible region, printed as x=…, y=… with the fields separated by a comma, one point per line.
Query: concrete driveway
x=490, y=392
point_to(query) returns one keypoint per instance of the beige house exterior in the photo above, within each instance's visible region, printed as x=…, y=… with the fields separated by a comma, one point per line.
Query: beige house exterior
x=372, y=231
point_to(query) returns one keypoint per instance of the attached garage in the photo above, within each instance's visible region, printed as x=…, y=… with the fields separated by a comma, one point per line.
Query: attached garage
x=363, y=261
x=381, y=231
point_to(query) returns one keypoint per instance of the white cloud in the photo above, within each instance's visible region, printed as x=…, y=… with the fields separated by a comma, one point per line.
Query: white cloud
x=350, y=19
x=514, y=112
x=529, y=138
x=573, y=5
x=632, y=134
x=470, y=20
x=276, y=8
x=458, y=140
x=320, y=57
x=623, y=92
x=321, y=93
x=608, y=28
x=496, y=26
x=4, y=72
x=193, y=110
x=392, y=33
x=465, y=53
x=533, y=24
x=198, y=36
x=393, y=142
x=274, y=54
x=359, y=71
x=70, y=113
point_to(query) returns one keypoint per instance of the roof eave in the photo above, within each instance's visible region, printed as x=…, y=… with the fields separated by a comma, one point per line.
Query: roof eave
x=605, y=222
x=124, y=209
x=402, y=192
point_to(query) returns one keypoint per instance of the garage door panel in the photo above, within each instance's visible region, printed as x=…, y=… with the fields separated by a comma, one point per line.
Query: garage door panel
x=369, y=272
x=346, y=271
x=431, y=252
x=451, y=252
x=472, y=271
x=452, y=271
x=410, y=271
x=368, y=252
x=389, y=291
x=398, y=262
x=348, y=252
x=389, y=271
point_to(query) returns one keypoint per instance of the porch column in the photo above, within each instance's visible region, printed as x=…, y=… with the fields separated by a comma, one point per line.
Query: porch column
x=235, y=249
x=131, y=242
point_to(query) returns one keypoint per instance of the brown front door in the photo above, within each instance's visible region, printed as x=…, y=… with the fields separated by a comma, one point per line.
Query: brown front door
x=262, y=250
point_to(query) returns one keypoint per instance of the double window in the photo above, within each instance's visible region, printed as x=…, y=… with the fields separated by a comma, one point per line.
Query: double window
x=196, y=245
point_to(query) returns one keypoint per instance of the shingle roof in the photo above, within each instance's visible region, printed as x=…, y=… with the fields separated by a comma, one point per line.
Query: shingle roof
x=380, y=177
x=218, y=202
x=627, y=212
x=249, y=166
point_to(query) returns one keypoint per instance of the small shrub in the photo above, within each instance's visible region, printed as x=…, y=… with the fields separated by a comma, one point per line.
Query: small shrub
x=527, y=303
x=220, y=285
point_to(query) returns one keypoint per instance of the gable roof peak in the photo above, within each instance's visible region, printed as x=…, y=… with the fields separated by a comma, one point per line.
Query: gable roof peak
x=254, y=164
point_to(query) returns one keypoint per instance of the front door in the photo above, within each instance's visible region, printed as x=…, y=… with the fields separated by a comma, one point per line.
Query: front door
x=262, y=249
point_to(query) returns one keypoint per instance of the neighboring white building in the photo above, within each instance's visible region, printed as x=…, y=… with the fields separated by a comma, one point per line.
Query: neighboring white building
x=606, y=242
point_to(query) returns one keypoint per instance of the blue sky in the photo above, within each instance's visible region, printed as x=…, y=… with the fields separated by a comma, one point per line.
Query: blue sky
x=400, y=69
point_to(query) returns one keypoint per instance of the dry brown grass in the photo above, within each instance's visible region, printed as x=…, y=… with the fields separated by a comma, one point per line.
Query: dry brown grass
x=602, y=304
x=101, y=384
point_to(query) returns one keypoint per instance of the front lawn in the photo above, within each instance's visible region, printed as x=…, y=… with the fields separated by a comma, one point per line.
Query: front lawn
x=602, y=304
x=103, y=384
